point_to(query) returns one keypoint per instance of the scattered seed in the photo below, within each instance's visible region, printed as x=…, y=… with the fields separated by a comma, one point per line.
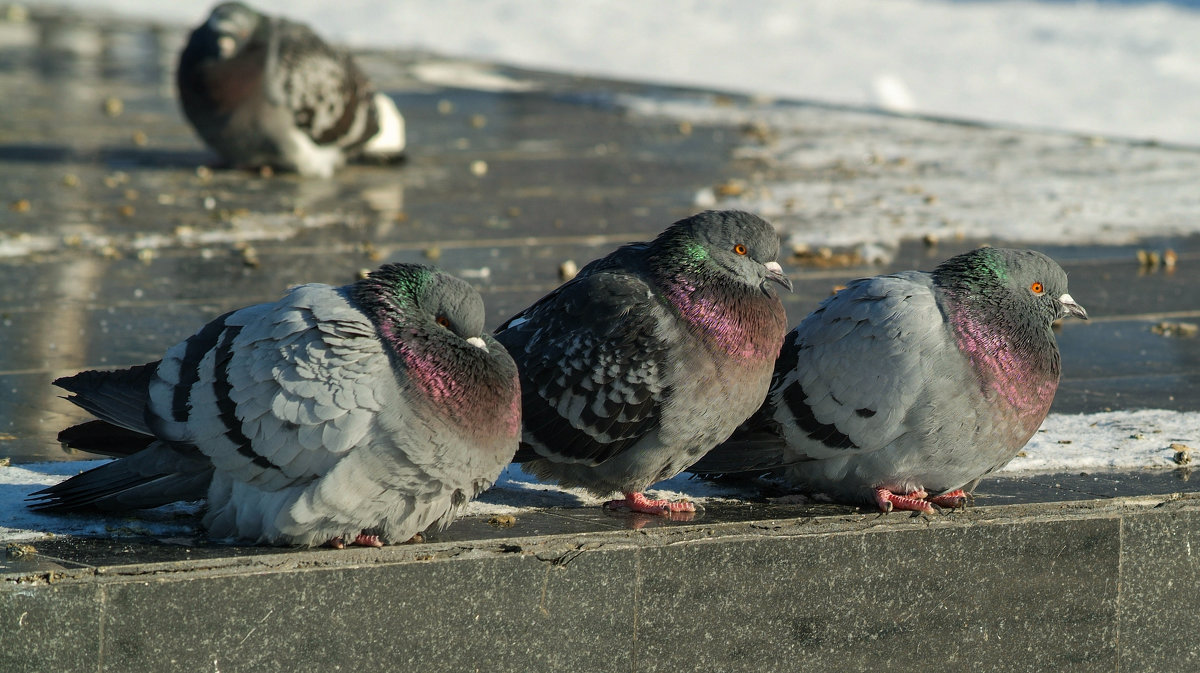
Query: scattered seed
x=685, y=128
x=20, y=206
x=478, y=121
x=479, y=168
x=17, y=550
x=567, y=270
x=1183, y=453
x=1170, y=257
x=433, y=253
x=1182, y=330
x=140, y=138
x=113, y=106
x=503, y=521
x=732, y=187
x=445, y=107
x=70, y=180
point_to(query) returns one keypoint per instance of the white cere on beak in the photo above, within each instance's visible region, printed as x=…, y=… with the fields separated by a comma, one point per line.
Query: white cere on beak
x=773, y=267
x=226, y=46
x=478, y=343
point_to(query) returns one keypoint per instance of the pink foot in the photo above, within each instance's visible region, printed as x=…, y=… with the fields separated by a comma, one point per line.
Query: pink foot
x=637, y=502
x=952, y=500
x=362, y=540
x=911, y=502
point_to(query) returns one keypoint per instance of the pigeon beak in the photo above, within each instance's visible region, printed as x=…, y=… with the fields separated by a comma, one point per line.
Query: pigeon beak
x=776, y=275
x=478, y=343
x=1071, y=307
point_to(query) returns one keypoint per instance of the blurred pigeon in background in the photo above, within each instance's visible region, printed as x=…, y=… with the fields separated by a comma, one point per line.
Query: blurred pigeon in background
x=265, y=91
x=903, y=390
x=649, y=357
x=365, y=413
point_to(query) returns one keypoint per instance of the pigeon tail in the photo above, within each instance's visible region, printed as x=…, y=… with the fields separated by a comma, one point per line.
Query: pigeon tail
x=390, y=140
x=156, y=476
x=119, y=397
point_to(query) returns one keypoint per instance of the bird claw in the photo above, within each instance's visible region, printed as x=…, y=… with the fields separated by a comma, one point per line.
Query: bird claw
x=361, y=540
x=908, y=502
x=637, y=502
x=955, y=499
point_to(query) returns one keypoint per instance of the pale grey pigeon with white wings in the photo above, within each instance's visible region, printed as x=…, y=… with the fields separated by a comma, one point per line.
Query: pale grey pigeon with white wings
x=265, y=91
x=365, y=413
x=903, y=390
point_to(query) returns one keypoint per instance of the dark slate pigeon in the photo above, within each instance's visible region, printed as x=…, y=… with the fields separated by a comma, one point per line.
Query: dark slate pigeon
x=364, y=413
x=903, y=390
x=264, y=91
x=649, y=357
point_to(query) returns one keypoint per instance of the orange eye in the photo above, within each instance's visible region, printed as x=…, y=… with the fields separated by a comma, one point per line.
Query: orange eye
x=1037, y=288
x=443, y=321
x=739, y=249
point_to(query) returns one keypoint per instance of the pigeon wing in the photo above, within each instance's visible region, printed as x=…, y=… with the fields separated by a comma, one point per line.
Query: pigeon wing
x=276, y=394
x=329, y=97
x=851, y=374
x=592, y=366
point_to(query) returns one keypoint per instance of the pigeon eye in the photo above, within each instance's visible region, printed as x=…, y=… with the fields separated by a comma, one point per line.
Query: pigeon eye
x=1037, y=288
x=739, y=249
x=443, y=321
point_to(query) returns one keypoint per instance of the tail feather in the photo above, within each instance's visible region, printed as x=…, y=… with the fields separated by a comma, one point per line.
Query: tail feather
x=104, y=438
x=119, y=397
x=155, y=476
x=744, y=456
x=389, y=141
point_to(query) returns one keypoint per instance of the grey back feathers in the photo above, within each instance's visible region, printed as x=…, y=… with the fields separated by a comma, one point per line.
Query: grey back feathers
x=649, y=356
x=262, y=90
x=911, y=381
x=375, y=406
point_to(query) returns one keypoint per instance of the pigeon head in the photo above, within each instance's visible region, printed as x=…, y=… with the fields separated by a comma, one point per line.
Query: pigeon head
x=424, y=296
x=737, y=243
x=231, y=25
x=1021, y=283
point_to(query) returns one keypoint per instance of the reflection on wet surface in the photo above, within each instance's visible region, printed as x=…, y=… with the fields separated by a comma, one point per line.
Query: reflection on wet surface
x=118, y=239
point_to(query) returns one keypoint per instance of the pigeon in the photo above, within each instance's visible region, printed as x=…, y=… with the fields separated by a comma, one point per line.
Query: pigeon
x=364, y=413
x=902, y=391
x=265, y=91
x=649, y=357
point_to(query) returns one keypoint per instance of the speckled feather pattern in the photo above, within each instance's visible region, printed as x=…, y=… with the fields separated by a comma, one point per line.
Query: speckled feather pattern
x=650, y=356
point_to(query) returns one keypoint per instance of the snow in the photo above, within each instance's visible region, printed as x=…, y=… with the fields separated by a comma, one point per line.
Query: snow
x=1104, y=68
x=1118, y=440
x=985, y=183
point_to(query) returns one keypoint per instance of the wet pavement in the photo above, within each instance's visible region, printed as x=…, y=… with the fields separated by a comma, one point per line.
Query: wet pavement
x=117, y=239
